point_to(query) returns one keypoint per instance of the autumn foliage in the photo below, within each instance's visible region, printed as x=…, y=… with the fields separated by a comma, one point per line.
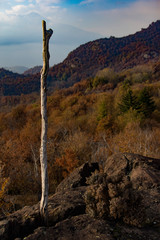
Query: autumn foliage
x=86, y=122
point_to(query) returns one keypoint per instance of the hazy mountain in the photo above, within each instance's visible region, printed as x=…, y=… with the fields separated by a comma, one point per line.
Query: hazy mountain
x=17, y=69
x=33, y=70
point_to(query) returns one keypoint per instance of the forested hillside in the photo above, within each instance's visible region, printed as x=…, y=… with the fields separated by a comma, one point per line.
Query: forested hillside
x=109, y=113
x=86, y=60
x=117, y=53
x=17, y=84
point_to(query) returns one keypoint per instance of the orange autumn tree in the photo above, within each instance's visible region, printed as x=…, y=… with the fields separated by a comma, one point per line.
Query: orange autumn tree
x=68, y=161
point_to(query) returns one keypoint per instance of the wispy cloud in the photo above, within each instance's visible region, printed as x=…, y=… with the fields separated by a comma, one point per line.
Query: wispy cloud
x=20, y=9
x=48, y=2
x=19, y=1
x=20, y=22
x=86, y=2
x=119, y=21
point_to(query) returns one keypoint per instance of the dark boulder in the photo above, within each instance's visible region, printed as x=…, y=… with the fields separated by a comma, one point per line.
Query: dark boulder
x=60, y=206
x=120, y=202
x=78, y=177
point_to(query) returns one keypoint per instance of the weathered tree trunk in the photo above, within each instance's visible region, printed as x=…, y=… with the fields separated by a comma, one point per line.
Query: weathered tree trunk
x=43, y=150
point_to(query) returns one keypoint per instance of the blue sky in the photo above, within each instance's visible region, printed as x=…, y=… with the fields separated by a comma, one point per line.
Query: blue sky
x=73, y=22
x=100, y=3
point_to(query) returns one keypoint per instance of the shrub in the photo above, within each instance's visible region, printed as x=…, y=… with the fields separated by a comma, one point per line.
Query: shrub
x=68, y=161
x=105, y=106
x=134, y=139
x=4, y=204
x=99, y=81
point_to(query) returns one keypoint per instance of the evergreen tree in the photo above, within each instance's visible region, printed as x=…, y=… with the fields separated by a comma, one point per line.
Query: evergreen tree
x=106, y=107
x=129, y=101
x=146, y=103
x=102, y=111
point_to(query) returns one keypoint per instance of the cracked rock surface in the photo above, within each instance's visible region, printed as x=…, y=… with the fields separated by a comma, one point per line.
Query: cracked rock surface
x=121, y=201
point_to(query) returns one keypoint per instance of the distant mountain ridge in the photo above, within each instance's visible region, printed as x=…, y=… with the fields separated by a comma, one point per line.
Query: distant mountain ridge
x=86, y=60
x=33, y=70
x=17, y=84
x=118, y=53
x=17, y=69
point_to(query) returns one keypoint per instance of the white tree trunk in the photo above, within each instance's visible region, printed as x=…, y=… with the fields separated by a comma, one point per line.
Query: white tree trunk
x=43, y=150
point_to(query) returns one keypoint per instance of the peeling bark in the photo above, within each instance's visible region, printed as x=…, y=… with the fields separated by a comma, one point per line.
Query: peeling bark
x=44, y=123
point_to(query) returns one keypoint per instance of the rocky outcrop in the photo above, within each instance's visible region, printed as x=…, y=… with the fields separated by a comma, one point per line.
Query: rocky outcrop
x=78, y=228
x=130, y=190
x=78, y=177
x=122, y=201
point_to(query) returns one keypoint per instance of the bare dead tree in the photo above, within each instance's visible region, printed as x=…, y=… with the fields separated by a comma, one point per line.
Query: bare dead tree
x=44, y=123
